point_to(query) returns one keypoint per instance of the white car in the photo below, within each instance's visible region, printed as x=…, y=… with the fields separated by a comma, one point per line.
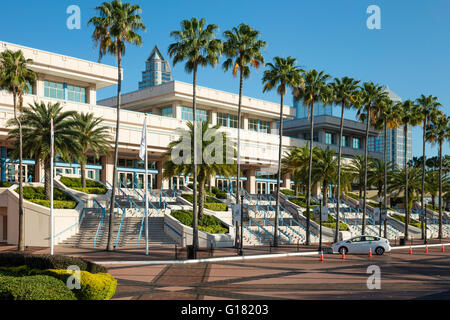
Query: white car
x=362, y=245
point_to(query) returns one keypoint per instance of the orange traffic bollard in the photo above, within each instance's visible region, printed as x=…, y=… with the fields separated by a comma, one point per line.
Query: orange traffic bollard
x=321, y=255
x=410, y=250
x=370, y=252
x=426, y=249
x=343, y=254
x=443, y=248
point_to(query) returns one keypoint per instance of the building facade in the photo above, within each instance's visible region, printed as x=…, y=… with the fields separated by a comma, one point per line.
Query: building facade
x=157, y=70
x=74, y=83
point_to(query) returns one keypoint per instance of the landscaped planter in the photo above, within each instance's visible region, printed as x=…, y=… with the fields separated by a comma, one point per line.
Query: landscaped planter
x=86, y=197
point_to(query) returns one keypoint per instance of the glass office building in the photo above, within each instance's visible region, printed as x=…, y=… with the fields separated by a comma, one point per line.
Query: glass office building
x=157, y=70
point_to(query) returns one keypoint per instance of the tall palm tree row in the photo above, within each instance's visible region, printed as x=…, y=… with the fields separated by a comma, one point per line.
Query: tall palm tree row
x=344, y=93
x=428, y=106
x=368, y=104
x=15, y=76
x=195, y=44
x=409, y=115
x=116, y=25
x=243, y=50
x=438, y=132
x=281, y=75
x=314, y=89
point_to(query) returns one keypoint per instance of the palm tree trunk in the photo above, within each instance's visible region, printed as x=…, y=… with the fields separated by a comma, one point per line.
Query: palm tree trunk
x=201, y=196
x=339, y=174
x=440, y=189
x=109, y=246
x=385, y=177
x=366, y=163
x=194, y=174
x=238, y=160
x=21, y=243
x=280, y=147
x=308, y=192
x=83, y=174
x=422, y=204
x=406, y=184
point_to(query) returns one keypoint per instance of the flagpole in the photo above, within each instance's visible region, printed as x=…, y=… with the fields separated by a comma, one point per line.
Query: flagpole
x=146, y=187
x=52, y=141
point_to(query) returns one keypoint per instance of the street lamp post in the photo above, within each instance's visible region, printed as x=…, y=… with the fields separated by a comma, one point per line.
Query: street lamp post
x=320, y=213
x=241, y=237
x=380, y=198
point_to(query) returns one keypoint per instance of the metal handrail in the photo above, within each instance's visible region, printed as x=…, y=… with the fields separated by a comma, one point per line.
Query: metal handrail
x=266, y=233
x=280, y=231
x=103, y=213
x=252, y=233
x=73, y=226
x=121, y=222
x=283, y=223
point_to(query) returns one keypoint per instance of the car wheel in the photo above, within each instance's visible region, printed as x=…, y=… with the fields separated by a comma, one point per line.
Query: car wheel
x=343, y=250
x=379, y=251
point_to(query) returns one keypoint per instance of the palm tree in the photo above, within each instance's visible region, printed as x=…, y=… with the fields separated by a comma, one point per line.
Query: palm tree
x=15, y=77
x=397, y=184
x=117, y=25
x=432, y=185
x=313, y=90
x=356, y=169
x=196, y=44
x=438, y=132
x=91, y=137
x=325, y=170
x=344, y=91
x=369, y=103
x=387, y=118
x=428, y=106
x=36, y=134
x=243, y=50
x=409, y=115
x=205, y=169
x=281, y=75
x=376, y=174
x=294, y=163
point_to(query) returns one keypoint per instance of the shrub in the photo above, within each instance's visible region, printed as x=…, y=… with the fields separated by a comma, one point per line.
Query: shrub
x=412, y=222
x=99, y=286
x=45, y=261
x=56, y=204
x=40, y=287
x=288, y=192
x=5, y=184
x=94, y=190
x=76, y=183
x=38, y=193
x=208, y=223
x=216, y=206
x=332, y=225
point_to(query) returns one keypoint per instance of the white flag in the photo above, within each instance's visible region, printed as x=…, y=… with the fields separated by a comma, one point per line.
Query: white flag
x=143, y=149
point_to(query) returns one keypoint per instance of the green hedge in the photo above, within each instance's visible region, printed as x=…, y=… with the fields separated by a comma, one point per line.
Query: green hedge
x=99, y=286
x=94, y=190
x=39, y=287
x=301, y=201
x=56, y=204
x=92, y=187
x=216, y=206
x=46, y=261
x=5, y=184
x=208, y=223
x=288, y=192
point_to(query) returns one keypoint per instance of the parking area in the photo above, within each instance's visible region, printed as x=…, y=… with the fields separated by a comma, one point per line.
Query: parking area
x=402, y=276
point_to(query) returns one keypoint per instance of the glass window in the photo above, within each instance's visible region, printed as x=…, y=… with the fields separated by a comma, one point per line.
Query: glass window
x=329, y=138
x=53, y=90
x=356, y=143
x=167, y=112
x=234, y=123
x=253, y=124
x=222, y=119
x=264, y=126
x=344, y=141
x=76, y=94
x=307, y=136
x=187, y=114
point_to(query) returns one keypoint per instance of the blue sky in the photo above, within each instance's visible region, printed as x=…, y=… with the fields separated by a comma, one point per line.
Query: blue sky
x=410, y=54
